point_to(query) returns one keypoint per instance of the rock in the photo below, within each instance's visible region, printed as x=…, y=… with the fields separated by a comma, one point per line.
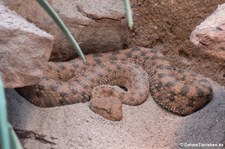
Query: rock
x=97, y=25
x=24, y=50
x=210, y=34
x=109, y=108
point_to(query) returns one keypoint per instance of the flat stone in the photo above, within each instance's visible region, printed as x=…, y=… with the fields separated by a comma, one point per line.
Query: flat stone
x=97, y=25
x=24, y=50
x=108, y=107
x=210, y=34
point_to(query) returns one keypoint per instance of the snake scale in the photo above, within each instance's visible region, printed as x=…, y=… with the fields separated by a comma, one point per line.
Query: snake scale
x=138, y=71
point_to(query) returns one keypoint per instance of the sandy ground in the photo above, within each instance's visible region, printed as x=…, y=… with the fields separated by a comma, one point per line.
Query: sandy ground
x=167, y=24
x=147, y=126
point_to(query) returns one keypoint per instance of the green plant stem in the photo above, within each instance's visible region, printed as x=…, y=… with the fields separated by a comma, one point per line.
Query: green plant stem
x=8, y=138
x=4, y=134
x=14, y=141
x=129, y=14
x=47, y=7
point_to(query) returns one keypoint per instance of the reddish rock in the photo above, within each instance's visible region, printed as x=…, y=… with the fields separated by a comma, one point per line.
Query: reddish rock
x=97, y=25
x=24, y=50
x=210, y=34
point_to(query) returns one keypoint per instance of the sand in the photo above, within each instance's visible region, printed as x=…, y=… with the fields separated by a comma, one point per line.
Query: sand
x=147, y=126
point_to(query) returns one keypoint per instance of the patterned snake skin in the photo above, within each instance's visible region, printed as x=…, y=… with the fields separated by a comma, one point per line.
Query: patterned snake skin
x=138, y=70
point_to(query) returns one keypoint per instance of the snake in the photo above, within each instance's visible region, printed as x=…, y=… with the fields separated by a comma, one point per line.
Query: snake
x=136, y=72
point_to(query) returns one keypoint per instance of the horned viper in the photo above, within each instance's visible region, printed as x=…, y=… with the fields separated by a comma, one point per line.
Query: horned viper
x=139, y=70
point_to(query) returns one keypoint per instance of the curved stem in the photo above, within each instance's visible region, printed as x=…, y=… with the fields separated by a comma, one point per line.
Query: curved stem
x=129, y=13
x=47, y=7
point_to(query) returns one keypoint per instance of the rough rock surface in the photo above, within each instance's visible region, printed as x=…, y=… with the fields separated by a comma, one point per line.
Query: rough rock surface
x=110, y=108
x=210, y=34
x=24, y=49
x=97, y=25
x=209, y=38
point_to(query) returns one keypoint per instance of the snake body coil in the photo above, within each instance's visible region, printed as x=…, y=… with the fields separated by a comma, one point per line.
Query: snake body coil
x=139, y=70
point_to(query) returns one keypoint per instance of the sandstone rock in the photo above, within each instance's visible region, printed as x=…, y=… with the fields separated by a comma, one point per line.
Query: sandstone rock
x=210, y=34
x=98, y=25
x=24, y=50
x=109, y=108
